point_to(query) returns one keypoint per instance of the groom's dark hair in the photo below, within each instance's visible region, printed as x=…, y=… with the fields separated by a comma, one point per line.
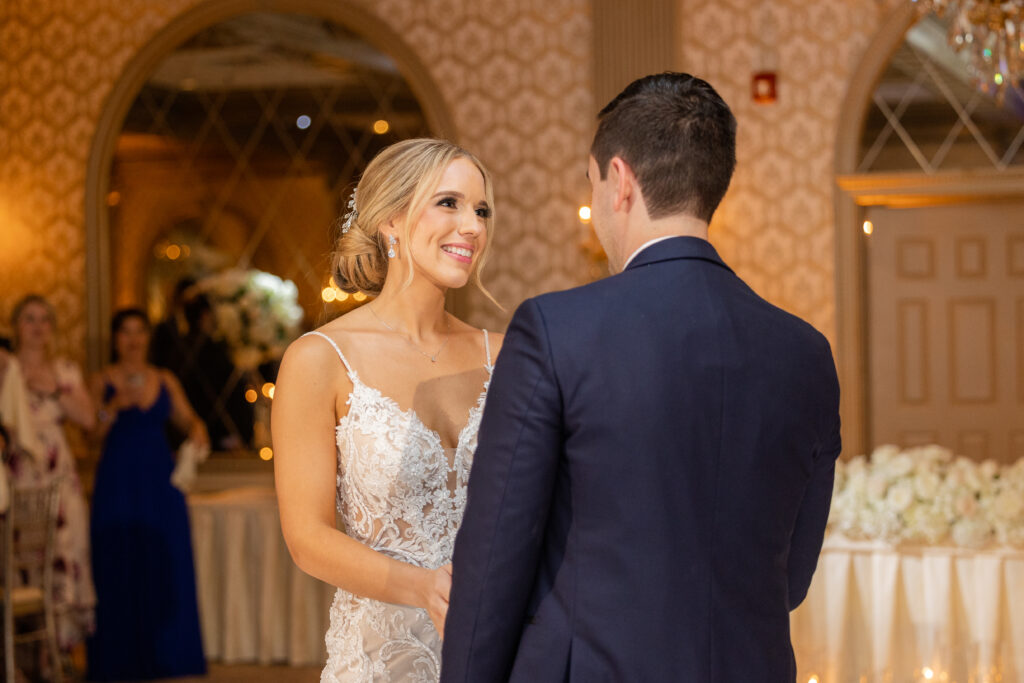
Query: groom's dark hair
x=679, y=137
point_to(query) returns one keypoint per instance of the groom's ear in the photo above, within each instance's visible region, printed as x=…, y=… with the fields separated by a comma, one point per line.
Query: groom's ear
x=621, y=177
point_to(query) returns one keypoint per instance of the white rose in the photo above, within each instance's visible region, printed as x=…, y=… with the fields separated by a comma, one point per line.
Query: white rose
x=971, y=533
x=900, y=496
x=926, y=485
x=884, y=454
x=988, y=470
x=877, y=485
x=1008, y=505
x=900, y=465
x=965, y=504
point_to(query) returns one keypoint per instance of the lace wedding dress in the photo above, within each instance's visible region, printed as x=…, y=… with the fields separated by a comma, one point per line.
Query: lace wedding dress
x=401, y=493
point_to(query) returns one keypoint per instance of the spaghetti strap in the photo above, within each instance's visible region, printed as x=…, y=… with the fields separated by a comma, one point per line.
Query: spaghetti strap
x=487, y=348
x=340, y=354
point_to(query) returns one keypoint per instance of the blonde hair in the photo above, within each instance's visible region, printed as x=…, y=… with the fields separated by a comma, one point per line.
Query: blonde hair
x=400, y=180
x=19, y=308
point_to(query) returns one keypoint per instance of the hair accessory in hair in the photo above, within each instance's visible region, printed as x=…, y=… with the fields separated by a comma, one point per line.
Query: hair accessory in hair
x=352, y=214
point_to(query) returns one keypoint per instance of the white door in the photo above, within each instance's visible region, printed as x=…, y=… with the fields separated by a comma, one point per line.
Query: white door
x=946, y=328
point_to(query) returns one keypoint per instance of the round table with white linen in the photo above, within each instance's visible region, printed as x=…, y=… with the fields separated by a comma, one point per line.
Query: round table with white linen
x=255, y=605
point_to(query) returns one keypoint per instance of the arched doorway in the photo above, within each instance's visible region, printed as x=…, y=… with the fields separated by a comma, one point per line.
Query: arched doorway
x=915, y=156
x=222, y=156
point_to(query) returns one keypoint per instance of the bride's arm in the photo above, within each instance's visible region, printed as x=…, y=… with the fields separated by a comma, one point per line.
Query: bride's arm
x=303, y=423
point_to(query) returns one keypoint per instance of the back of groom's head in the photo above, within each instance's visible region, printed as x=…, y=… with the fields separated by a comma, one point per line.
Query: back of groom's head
x=679, y=137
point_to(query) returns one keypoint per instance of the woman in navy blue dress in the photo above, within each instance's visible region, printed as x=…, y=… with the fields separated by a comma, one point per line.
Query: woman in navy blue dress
x=147, y=620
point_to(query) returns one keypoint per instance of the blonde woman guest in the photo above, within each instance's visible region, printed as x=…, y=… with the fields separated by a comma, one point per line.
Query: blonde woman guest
x=377, y=412
x=56, y=395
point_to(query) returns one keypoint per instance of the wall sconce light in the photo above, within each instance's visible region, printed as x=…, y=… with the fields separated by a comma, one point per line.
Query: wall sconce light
x=763, y=87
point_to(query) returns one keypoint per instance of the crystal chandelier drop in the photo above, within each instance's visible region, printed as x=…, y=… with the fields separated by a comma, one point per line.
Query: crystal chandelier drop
x=988, y=33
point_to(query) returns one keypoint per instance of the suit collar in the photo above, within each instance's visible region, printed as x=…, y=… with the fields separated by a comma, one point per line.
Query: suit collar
x=677, y=248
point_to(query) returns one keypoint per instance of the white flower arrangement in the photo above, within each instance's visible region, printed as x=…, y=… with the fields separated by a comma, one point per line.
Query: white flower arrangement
x=928, y=495
x=257, y=313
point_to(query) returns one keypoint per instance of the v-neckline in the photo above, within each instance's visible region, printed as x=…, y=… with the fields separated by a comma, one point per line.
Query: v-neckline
x=410, y=413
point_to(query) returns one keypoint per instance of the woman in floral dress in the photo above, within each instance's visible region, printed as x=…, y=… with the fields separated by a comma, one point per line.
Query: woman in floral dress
x=56, y=394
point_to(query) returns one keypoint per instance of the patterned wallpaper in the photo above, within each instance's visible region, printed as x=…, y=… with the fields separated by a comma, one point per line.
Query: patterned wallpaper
x=776, y=224
x=514, y=75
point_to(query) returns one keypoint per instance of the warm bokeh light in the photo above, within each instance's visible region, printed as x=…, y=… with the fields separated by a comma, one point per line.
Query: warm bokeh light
x=173, y=252
x=340, y=295
x=268, y=390
x=113, y=198
x=928, y=673
x=271, y=393
x=812, y=679
x=186, y=251
x=328, y=294
x=380, y=126
x=359, y=296
x=251, y=395
x=266, y=453
x=869, y=227
x=585, y=214
x=303, y=122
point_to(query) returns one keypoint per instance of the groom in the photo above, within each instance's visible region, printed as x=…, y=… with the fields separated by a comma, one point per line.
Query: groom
x=654, y=470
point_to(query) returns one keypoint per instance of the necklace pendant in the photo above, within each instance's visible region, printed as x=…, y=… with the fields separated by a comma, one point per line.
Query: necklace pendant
x=433, y=359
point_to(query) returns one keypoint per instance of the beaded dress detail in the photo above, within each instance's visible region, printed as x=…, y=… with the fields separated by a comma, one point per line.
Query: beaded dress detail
x=402, y=493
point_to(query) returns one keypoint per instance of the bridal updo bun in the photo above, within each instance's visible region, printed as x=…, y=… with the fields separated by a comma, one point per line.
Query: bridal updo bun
x=399, y=181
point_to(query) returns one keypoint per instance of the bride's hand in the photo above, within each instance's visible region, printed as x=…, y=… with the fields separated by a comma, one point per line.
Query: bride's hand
x=437, y=586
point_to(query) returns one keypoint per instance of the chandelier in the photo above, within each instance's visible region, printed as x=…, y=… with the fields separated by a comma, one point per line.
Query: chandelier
x=988, y=34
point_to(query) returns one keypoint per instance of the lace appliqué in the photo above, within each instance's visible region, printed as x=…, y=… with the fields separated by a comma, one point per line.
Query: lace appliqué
x=401, y=493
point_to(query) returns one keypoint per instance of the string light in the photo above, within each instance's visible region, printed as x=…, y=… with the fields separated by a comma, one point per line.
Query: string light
x=380, y=126
x=585, y=214
x=251, y=395
x=266, y=453
x=268, y=390
x=869, y=227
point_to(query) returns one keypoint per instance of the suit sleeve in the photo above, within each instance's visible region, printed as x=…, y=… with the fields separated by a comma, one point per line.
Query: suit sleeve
x=809, y=531
x=510, y=490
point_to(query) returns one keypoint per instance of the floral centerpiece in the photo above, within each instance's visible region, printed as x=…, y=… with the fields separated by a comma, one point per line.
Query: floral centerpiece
x=928, y=495
x=257, y=313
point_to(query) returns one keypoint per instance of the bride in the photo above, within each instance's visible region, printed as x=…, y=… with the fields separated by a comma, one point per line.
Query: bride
x=377, y=412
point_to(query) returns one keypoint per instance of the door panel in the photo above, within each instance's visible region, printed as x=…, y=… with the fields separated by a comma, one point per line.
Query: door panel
x=946, y=328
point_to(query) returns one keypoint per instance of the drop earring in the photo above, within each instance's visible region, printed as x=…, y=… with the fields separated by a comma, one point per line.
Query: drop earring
x=391, y=246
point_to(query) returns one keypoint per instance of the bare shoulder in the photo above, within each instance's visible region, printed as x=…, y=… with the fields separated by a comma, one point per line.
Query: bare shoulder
x=496, y=341
x=493, y=339
x=310, y=355
x=168, y=377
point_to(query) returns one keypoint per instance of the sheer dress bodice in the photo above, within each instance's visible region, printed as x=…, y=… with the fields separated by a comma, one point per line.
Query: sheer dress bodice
x=402, y=493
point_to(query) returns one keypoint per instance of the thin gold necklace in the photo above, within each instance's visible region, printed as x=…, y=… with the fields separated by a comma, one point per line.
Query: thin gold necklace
x=432, y=357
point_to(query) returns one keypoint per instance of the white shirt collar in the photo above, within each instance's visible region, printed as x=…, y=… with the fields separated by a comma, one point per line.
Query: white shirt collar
x=644, y=246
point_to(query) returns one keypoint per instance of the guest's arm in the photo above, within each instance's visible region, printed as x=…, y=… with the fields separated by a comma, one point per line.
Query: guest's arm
x=809, y=532
x=510, y=492
x=184, y=417
x=311, y=394
x=73, y=396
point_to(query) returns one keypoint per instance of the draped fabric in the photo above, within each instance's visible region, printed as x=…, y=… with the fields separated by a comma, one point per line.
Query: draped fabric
x=876, y=612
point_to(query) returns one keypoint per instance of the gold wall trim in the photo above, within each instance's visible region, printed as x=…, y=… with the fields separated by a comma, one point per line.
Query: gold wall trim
x=138, y=70
x=911, y=190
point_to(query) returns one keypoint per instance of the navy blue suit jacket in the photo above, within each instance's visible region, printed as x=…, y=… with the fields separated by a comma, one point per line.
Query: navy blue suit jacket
x=649, y=494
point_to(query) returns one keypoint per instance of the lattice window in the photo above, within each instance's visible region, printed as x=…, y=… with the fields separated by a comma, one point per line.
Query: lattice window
x=235, y=157
x=927, y=115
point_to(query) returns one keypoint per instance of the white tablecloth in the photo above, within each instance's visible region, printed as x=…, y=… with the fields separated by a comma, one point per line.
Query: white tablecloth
x=255, y=605
x=879, y=613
